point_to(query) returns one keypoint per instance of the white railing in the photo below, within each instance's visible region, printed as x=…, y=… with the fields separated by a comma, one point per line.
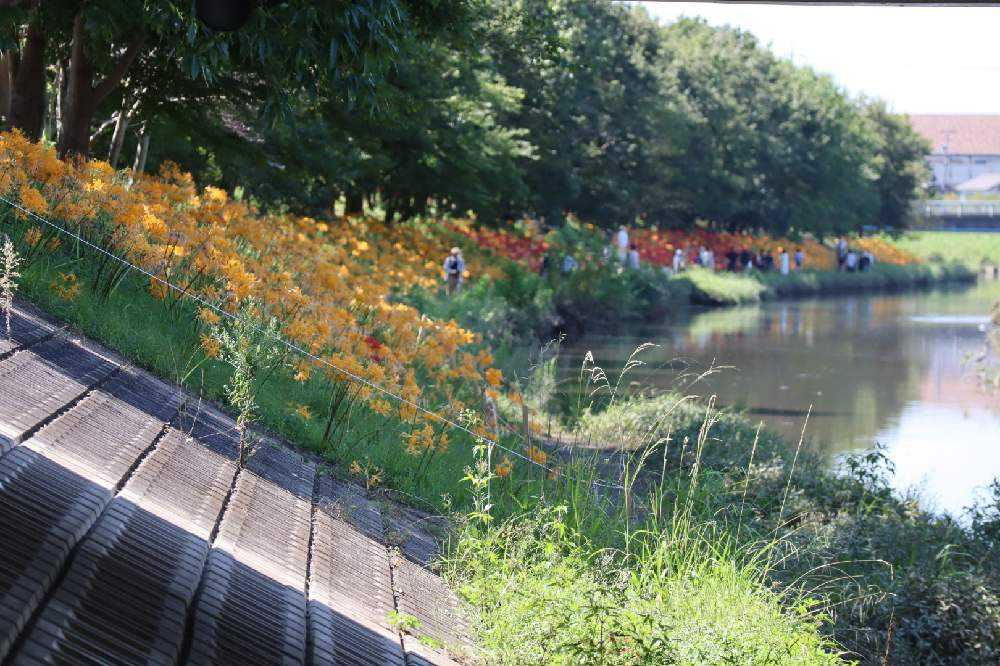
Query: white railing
x=952, y=208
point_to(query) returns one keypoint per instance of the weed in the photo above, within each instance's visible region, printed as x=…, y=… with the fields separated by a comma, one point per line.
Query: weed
x=8, y=280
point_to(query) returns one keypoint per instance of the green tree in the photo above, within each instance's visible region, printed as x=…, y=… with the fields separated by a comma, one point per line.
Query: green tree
x=591, y=104
x=285, y=49
x=899, y=164
x=765, y=144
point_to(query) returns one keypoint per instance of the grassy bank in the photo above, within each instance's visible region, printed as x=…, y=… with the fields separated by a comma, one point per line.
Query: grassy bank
x=739, y=549
x=519, y=305
x=967, y=248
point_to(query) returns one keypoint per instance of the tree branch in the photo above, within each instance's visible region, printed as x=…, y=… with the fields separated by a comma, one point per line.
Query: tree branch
x=104, y=126
x=102, y=89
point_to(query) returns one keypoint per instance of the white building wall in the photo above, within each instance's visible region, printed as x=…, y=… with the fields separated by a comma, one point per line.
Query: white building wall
x=951, y=170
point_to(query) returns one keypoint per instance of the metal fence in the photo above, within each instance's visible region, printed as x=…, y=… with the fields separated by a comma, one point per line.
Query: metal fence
x=951, y=208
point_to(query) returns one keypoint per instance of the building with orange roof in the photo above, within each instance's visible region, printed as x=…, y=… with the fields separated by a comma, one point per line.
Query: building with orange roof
x=963, y=146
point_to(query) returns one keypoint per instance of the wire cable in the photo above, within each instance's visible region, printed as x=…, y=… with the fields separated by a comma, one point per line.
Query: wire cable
x=296, y=348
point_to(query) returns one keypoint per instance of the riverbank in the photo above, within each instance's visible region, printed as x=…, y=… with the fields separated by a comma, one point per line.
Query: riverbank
x=720, y=510
x=518, y=305
x=970, y=248
x=720, y=289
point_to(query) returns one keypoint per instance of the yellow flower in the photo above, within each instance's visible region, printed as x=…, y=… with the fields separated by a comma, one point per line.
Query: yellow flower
x=208, y=316
x=302, y=371
x=65, y=286
x=494, y=377
x=536, y=455
x=303, y=412
x=33, y=200
x=157, y=289
x=32, y=236
x=53, y=244
x=503, y=468
x=210, y=346
x=355, y=467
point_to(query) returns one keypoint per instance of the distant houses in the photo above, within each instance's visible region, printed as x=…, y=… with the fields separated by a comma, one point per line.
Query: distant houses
x=965, y=151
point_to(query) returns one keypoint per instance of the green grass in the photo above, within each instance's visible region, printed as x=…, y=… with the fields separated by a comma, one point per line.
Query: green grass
x=881, y=277
x=708, y=288
x=968, y=248
x=679, y=595
x=712, y=288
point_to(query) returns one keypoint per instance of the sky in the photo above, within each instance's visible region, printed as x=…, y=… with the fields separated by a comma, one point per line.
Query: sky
x=917, y=59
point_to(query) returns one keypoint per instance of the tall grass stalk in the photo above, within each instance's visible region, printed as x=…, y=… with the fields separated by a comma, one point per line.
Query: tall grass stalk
x=8, y=280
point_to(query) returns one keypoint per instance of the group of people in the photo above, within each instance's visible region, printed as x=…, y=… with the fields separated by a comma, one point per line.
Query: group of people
x=743, y=259
x=628, y=253
x=736, y=259
x=850, y=260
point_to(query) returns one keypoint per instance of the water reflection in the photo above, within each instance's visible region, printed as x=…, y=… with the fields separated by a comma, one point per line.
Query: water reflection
x=886, y=368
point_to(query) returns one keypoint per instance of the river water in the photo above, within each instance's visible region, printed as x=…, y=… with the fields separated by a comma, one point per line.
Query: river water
x=890, y=368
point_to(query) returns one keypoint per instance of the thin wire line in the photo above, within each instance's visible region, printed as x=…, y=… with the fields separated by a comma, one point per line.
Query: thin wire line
x=300, y=350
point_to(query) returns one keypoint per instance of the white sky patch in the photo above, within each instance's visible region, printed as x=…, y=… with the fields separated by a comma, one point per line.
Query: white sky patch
x=918, y=59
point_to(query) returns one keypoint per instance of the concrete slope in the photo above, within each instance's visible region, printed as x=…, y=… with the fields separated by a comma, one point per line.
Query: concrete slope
x=132, y=536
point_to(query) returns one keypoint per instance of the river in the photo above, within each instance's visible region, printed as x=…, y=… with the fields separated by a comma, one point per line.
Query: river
x=889, y=368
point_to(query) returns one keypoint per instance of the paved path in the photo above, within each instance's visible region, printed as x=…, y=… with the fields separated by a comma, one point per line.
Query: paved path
x=128, y=535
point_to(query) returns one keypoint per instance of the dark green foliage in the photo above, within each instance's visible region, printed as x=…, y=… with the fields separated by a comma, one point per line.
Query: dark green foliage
x=543, y=107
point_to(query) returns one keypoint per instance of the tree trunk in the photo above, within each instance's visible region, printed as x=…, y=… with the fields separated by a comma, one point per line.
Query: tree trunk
x=60, y=98
x=51, y=119
x=82, y=97
x=355, y=202
x=118, y=138
x=78, y=108
x=6, y=84
x=141, y=150
x=27, y=100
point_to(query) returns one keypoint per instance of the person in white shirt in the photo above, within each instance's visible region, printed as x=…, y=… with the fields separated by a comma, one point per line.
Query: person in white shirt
x=851, y=261
x=622, y=242
x=784, y=261
x=678, y=264
x=454, y=267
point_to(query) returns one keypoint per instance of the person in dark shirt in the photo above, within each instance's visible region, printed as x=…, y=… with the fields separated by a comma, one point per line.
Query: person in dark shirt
x=731, y=258
x=767, y=261
x=745, y=258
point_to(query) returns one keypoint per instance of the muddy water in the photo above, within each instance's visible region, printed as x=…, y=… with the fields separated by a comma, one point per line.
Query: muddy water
x=894, y=369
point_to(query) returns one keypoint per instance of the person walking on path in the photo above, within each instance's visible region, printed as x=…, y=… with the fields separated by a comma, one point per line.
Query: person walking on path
x=784, y=263
x=841, y=253
x=800, y=259
x=454, y=267
x=622, y=241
